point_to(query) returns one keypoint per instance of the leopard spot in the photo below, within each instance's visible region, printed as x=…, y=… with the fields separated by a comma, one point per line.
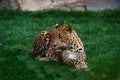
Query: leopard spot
x=80, y=49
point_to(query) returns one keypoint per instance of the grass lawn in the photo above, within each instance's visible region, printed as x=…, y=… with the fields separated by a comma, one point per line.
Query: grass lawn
x=99, y=31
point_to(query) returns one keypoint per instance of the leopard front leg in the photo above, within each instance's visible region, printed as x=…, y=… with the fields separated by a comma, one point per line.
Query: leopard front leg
x=78, y=62
x=81, y=64
x=43, y=58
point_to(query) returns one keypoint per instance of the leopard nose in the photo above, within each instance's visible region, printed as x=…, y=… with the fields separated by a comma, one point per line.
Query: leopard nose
x=54, y=45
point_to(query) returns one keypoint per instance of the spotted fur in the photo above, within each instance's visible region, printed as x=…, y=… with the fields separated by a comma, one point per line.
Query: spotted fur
x=61, y=44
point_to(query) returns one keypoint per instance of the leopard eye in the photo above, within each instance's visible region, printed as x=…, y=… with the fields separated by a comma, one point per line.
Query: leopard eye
x=60, y=36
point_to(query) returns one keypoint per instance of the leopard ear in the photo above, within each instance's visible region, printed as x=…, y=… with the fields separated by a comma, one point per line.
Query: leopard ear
x=69, y=29
x=56, y=26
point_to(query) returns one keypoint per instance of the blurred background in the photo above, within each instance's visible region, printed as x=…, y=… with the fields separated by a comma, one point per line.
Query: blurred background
x=34, y=5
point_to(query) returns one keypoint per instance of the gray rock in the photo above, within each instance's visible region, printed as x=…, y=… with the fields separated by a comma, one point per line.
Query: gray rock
x=34, y=5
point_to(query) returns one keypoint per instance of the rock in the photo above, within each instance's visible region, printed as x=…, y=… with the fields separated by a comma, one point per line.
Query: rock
x=50, y=4
x=103, y=4
x=4, y=4
x=34, y=5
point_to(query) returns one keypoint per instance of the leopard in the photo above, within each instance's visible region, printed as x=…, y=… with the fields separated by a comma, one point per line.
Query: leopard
x=61, y=44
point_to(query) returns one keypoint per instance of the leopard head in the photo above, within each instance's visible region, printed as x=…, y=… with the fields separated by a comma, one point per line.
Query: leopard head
x=61, y=36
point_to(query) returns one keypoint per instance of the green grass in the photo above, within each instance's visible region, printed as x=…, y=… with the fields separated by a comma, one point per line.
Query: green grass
x=99, y=31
